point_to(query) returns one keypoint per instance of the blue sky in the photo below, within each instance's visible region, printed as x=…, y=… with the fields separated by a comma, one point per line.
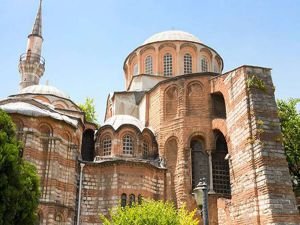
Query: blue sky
x=86, y=42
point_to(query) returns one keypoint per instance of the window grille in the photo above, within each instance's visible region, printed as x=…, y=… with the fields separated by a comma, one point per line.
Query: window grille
x=107, y=146
x=187, y=64
x=168, y=65
x=140, y=199
x=131, y=199
x=127, y=145
x=58, y=218
x=148, y=65
x=221, y=174
x=204, y=65
x=123, y=200
x=145, y=149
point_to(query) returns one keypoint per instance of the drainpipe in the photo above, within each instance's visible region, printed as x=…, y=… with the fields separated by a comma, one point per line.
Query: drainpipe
x=79, y=197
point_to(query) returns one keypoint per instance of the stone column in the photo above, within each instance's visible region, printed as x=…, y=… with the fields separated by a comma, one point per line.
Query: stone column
x=211, y=183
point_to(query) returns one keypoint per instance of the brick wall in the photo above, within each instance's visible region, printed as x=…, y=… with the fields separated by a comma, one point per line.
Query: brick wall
x=104, y=183
x=56, y=166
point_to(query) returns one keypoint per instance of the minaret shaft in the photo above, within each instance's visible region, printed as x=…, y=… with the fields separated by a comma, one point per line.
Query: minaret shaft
x=32, y=64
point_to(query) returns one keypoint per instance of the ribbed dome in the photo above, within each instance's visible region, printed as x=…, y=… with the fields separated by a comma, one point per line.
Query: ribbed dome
x=44, y=90
x=172, y=35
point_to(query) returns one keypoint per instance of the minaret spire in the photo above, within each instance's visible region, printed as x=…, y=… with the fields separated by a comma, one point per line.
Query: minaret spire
x=37, y=27
x=32, y=64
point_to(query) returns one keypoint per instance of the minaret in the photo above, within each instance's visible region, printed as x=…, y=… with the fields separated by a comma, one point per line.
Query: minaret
x=32, y=64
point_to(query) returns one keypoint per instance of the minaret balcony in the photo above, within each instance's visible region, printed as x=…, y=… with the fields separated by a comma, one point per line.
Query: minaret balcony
x=32, y=58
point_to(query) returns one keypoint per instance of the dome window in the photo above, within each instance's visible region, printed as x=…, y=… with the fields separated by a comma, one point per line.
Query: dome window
x=106, y=146
x=148, y=65
x=204, y=64
x=127, y=145
x=187, y=64
x=168, y=67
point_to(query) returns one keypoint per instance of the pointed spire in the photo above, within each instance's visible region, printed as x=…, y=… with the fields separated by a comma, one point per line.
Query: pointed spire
x=37, y=27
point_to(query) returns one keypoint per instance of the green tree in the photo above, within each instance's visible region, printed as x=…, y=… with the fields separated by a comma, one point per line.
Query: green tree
x=290, y=127
x=150, y=212
x=88, y=107
x=19, y=183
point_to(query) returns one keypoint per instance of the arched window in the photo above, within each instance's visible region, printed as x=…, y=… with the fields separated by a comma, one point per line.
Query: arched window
x=127, y=145
x=221, y=176
x=131, y=200
x=204, y=64
x=148, y=65
x=171, y=102
x=187, y=64
x=200, y=167
x=168, y=65
x=45, y=135
x=19, y=129
x=194, y=98
x=145, y=149
x=123, y=200
x=58, y=219
x=106, y=145
x=135, y=69
x=219, y=107
x=140, y=199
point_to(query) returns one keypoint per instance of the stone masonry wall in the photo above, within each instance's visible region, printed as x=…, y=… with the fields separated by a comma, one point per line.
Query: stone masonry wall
x=261, y=186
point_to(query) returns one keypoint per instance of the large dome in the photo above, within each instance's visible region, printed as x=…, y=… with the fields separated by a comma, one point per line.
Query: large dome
x=171, y=35
x=44, y=90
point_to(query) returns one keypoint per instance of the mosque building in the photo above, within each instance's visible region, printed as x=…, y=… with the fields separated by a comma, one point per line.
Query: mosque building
x=179, y=119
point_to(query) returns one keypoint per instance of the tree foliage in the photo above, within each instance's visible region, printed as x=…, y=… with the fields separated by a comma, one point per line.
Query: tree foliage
x=88, y=107
x=150, y=212
x=19, y=183
x=290, y=127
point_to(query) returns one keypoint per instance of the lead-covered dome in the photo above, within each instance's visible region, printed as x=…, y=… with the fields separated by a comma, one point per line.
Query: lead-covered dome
x=172, y=35
x=44, y=90
x=168, y=54
x=119, y=120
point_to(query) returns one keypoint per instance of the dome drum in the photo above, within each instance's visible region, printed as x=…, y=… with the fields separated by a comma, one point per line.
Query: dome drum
x=169, y=54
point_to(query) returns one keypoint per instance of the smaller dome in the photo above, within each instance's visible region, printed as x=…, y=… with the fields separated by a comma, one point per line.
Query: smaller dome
x=171, y=35
x=117, y=121
x=44, y=90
